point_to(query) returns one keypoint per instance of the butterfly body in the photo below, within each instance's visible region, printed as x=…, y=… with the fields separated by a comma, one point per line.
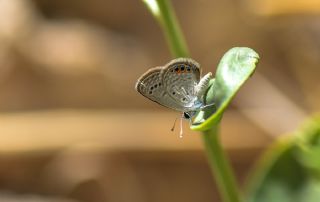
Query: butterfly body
x=177, y=85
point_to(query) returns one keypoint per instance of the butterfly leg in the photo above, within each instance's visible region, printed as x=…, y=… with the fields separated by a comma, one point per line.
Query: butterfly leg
x=190, y=121
x=207, y=106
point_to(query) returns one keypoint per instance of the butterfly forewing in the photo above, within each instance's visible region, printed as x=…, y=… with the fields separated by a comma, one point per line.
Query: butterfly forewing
x=150, y=85
x=172, y=85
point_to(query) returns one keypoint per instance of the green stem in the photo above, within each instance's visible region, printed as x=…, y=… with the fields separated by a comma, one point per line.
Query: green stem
x=220, y=166
x=162, y=10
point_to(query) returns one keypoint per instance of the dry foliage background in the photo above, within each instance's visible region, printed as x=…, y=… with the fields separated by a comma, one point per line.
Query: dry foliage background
x=72, y=128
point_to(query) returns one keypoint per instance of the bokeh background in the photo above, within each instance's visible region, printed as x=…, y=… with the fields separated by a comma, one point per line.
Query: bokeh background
x=73, y=129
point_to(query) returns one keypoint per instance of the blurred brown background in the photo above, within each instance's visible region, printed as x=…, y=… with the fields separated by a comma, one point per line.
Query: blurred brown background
x=73, y=129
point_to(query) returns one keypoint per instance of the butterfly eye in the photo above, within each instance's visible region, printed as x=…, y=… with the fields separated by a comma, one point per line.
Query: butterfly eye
x=186, y=115
x=182, y=68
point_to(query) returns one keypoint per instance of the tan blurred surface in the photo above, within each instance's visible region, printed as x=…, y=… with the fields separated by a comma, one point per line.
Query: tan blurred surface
x=106, y=130
x=284, y=7
x=72, y=127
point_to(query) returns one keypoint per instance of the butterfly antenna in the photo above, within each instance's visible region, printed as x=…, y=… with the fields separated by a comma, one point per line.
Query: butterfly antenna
x=174, y=125
x=181, y=129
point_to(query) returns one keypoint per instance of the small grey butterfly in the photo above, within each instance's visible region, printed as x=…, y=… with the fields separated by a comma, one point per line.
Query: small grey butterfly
x=177, y=85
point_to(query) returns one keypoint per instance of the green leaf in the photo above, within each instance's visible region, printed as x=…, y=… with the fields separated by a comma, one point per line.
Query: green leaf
x=235, y=67
x=289, y=170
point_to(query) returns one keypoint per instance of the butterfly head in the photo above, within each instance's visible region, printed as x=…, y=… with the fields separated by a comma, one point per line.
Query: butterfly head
x=188, y=115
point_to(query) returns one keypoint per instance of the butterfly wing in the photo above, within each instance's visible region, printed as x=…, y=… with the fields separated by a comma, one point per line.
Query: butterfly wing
x=150, y=85
x=180, y=79
x=173, y=85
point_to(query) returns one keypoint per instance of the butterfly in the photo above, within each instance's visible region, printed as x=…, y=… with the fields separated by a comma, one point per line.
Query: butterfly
x=177, y=85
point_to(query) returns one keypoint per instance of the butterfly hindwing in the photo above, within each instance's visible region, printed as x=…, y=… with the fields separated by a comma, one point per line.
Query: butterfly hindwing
x=182, y=75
